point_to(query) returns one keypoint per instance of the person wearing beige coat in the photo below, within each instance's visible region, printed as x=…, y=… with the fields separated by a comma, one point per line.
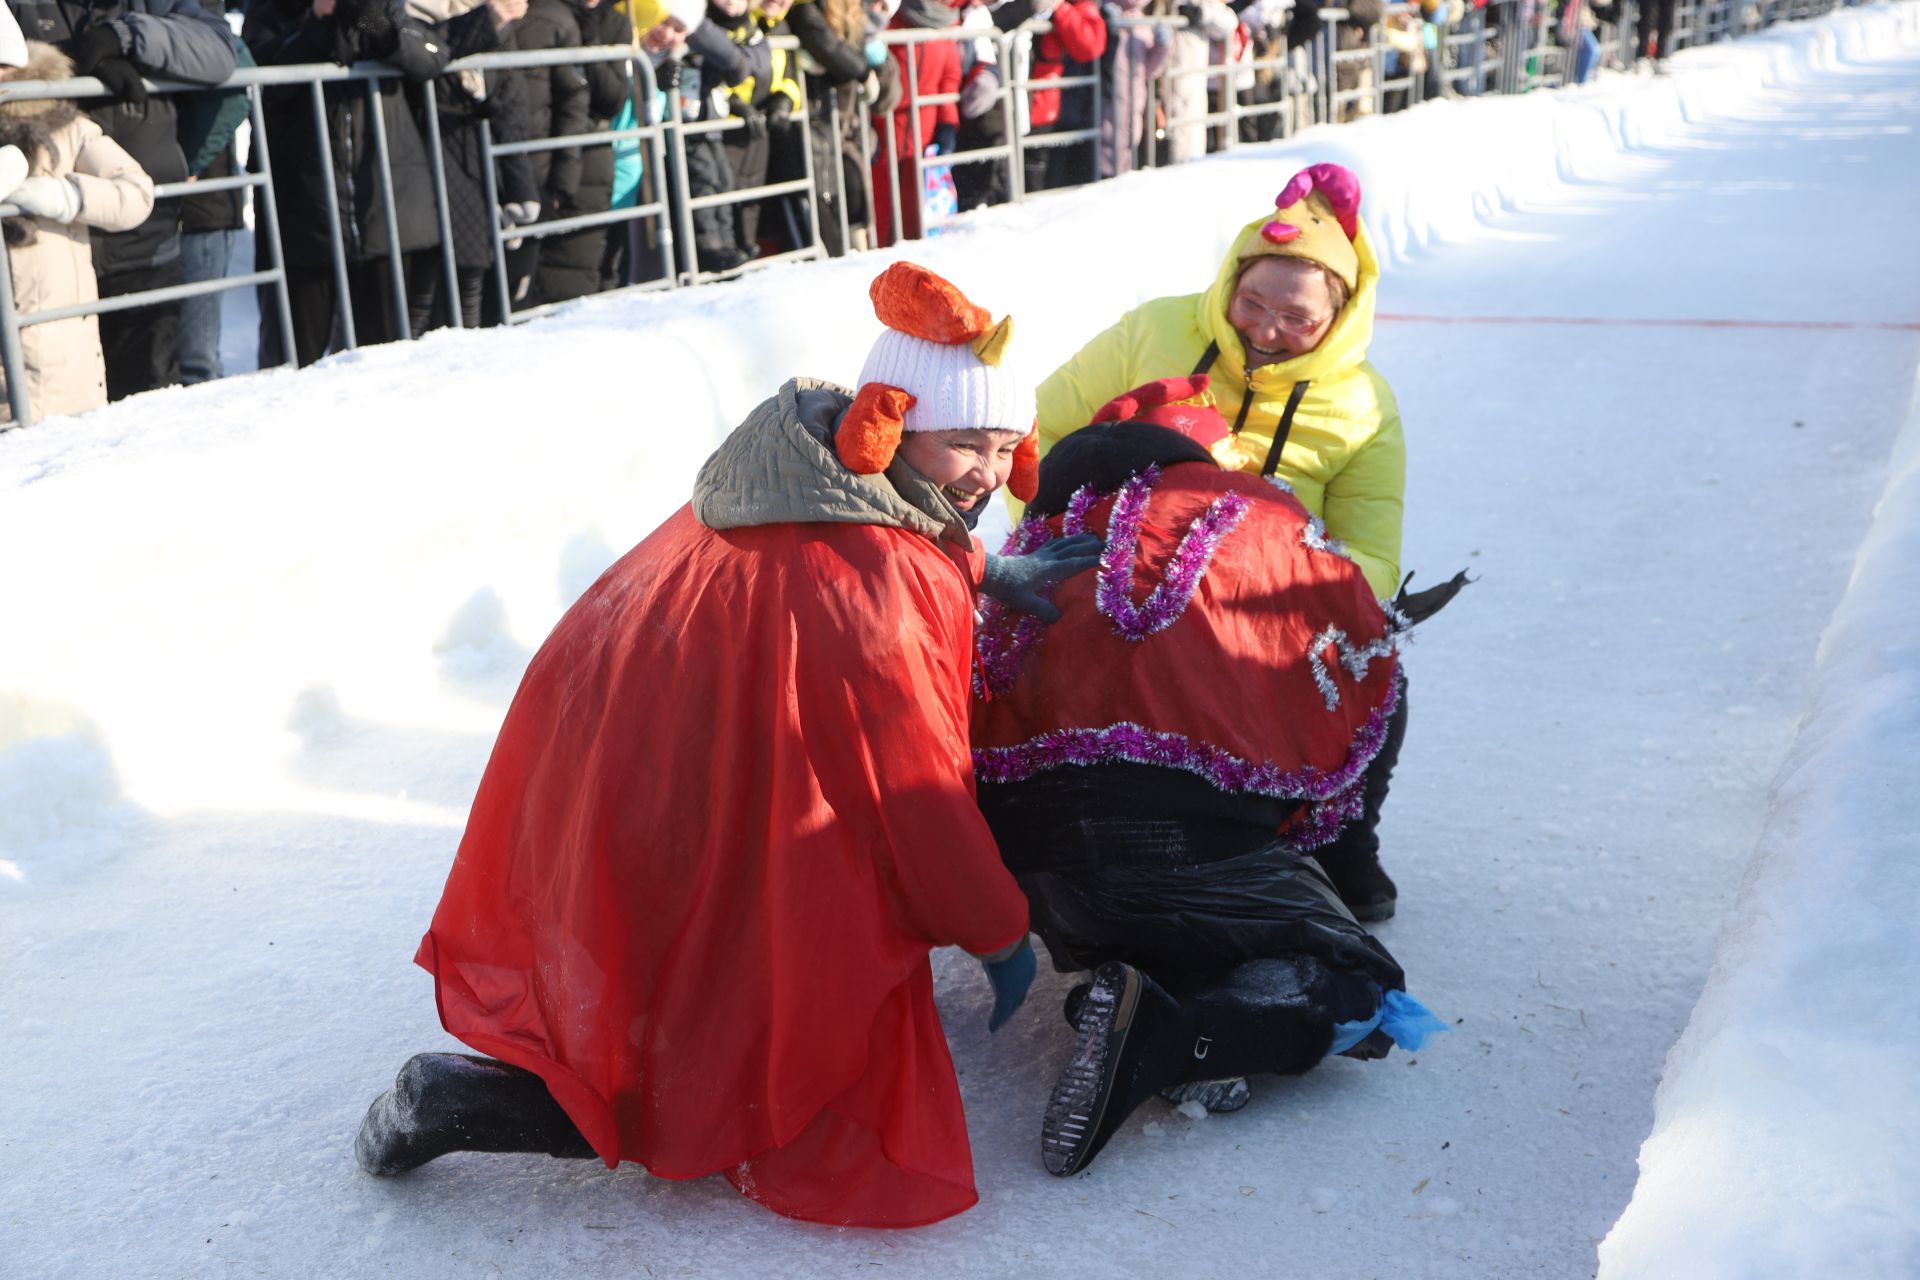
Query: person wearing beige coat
x=77, y=178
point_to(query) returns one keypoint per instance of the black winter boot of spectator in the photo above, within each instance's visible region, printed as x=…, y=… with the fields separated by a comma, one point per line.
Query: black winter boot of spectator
x=443, y=1102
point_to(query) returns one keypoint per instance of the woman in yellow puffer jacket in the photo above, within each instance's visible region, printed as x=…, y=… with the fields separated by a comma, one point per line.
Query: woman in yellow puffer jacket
x=1344, y=455
x=1282, y=333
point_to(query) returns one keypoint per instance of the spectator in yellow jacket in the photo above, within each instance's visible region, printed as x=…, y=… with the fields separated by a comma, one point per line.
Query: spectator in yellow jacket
x=1283, y=333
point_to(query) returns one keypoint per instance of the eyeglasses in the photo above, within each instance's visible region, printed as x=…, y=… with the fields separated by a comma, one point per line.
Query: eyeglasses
x=1288, y=321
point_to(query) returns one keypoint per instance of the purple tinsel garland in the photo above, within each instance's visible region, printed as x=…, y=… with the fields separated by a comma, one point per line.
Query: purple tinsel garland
x=1004, y=634
x=1355, y=658
x=1333, y=796
x=1113, y=591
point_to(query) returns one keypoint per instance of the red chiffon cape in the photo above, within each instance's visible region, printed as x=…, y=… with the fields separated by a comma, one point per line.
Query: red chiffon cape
x=729, y=812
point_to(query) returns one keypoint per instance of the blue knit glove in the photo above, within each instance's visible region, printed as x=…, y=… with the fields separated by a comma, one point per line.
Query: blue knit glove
x=1019, y=581
x=1010, y=977
x=875, y=53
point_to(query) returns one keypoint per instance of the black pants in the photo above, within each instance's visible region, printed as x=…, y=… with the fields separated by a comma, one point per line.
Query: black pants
x=1050, y=168
x=427, y=294
x=311, y=296
x=141, y=345
x=1656, y=19
x=1360, y=838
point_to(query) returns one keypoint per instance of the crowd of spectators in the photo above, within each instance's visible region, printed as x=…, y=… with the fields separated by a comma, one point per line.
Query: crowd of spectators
x=850, y=104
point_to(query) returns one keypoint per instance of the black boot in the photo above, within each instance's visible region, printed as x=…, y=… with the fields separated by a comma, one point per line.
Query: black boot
x=442, y=1102
x=1361, y=882
x=1132, y=1043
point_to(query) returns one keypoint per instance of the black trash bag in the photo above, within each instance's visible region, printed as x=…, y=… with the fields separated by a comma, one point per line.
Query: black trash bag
x=1156, y=868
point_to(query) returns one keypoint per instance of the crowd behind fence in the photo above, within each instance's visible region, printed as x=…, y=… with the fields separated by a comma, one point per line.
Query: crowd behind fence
x=946, y=120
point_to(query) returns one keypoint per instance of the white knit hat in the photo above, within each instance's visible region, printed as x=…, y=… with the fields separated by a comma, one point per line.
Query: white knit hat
x=950, y=385
x=690, y=13
x=13, y=45
x=940, y=365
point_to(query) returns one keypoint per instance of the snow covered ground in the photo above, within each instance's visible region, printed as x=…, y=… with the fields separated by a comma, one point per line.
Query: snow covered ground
x=258, y=636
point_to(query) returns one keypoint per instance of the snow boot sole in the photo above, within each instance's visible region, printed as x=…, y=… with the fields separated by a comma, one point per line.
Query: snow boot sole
x=1220, y=1097
x=1079, y=1117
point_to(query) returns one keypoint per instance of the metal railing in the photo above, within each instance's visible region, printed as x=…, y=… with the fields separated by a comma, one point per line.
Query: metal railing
x=1506, y=46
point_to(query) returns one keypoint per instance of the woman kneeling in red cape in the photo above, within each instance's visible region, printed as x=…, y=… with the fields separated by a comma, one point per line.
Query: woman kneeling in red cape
x=731, y=810
x=1157, y=765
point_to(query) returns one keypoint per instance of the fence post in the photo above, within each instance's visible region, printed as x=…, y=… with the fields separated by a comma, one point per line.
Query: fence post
x=919, y=161
x=342, y=295
x=12, y=359
x=269, y=219
x=654, y=173
x=389, y=215
x=490, y=185
x=436, y=156
x=677, y=152
x=1016, y=84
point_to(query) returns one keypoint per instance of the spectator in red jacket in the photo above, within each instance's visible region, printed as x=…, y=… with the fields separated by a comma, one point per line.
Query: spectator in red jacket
x=930, y=69
x=1073, y=48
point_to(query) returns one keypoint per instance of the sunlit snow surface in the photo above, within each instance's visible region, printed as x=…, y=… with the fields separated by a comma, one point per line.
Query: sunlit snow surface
x=257, y=637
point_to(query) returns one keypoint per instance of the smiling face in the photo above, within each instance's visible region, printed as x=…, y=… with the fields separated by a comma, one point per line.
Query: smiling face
x=1281, y=308
x=968, y=464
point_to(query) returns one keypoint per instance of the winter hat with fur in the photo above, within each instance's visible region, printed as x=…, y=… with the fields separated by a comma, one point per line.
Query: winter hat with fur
x=1318, y=215
x=940, y=365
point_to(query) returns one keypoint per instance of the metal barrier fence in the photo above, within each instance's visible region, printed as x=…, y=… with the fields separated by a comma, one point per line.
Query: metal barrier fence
x=1503, y=46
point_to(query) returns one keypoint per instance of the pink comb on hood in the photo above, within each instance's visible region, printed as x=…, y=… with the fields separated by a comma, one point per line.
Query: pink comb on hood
x=1336, y=182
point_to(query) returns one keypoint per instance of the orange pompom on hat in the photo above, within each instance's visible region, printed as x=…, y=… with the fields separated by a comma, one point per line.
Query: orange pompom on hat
x=940, y=365
x=1178, y=404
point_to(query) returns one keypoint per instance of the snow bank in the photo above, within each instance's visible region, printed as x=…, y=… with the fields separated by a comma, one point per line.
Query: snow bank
x=400, y=525
x=1786, y=1139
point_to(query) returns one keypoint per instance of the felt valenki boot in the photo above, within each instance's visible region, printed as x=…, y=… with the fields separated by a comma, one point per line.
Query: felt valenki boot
x=444, y=1102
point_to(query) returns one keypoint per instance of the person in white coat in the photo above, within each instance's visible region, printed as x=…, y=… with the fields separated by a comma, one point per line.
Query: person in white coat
x=63, y=175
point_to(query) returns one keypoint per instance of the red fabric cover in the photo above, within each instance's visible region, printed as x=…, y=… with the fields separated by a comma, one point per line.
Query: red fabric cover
x=1232, y=671
x=1179, y=404
x=1079, y=35
x=730, y=811
x=935, y=70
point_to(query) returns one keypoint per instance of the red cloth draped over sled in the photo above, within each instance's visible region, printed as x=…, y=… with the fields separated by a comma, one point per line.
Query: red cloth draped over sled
x=1224, y=637
x=729, y=812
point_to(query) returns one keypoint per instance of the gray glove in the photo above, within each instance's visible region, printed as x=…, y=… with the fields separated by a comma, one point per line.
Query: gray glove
x=980, y=93
x=1020, y=581
x=57, y=199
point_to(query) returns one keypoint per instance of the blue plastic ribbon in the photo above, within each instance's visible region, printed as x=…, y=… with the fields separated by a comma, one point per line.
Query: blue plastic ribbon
x=1401, y=1016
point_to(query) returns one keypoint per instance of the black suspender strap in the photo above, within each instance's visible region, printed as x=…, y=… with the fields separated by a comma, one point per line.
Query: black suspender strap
x=1281, y=432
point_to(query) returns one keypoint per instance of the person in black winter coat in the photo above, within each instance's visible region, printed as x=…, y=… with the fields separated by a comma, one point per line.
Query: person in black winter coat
x=565, y=100
x=347, y=31
x=118, y=42
x=463, y=102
